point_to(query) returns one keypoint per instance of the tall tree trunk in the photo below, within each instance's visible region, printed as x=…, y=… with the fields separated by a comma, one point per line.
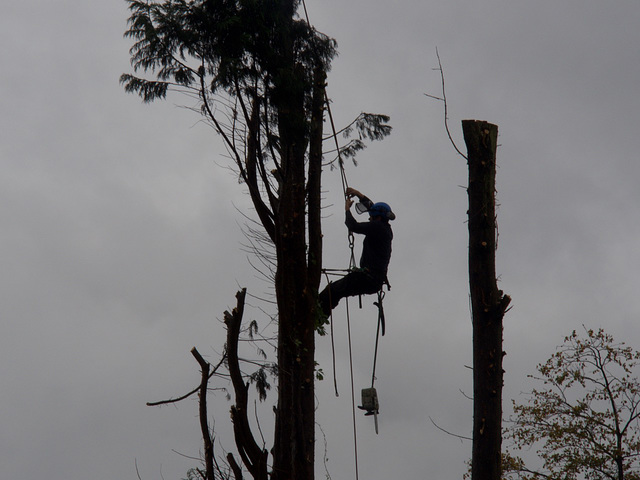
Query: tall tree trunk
x=295, y=416
x=487, y=302
x=294, y=443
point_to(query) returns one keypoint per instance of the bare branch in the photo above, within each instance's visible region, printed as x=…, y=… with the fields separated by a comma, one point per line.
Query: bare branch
x=446, y=112
x=186, y=456
x=195, y=390
x=137, y=471
x=461, y=437
x=237, y=471
x=254, y=458
x=204, y=425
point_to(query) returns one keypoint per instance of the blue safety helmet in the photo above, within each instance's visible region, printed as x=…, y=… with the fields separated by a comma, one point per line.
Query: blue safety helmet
x=383, y=210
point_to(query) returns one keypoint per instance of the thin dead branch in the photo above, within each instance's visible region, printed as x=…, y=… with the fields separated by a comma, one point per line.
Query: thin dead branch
x=443, y=99
x=204, y=424
x=461, y=437
x=195, y=390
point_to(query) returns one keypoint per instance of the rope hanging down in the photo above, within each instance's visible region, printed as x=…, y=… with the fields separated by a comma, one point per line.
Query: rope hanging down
x=369, y=396
x=343, y=177
x=343, y=174
x=352, y=264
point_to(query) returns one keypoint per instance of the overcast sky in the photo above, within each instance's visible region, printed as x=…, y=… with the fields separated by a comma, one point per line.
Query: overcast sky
x=119, y=243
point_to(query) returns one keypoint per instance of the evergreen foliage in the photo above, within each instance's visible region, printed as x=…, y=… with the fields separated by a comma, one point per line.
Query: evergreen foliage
x=257, y=73
x=229, y=56
x=234, y=45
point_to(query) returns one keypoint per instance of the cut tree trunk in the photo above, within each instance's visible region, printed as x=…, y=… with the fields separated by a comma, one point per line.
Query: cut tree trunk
x=487, y=302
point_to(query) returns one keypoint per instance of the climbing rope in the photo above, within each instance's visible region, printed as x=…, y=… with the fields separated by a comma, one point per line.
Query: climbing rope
x=343, y=173
x=353, y=394
x=381, y=327
x=352, y=266
x=343, y=177
x=335, y=381
x=333, y=343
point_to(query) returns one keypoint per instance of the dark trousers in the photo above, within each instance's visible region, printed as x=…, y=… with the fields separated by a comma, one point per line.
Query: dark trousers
x=354, y=283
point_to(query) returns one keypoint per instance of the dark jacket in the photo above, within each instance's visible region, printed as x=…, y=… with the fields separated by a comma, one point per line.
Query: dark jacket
x=376, y=248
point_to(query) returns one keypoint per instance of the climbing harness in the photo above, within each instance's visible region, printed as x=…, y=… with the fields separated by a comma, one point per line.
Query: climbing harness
x=369, y=395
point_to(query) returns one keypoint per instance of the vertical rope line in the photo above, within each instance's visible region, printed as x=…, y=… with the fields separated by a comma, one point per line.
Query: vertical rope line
x=333, y=126
x=375, y=352
x=333, y=343
x=343, y=177
x=353, y=395
x=343, y=174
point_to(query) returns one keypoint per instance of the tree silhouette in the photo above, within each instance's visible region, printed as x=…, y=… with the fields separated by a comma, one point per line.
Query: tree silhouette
x=584, y=418
x=488, y=304
x=257, y=74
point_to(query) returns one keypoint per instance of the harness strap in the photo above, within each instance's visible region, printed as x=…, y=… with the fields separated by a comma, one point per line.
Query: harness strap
x=381, y=326
x=381, y=321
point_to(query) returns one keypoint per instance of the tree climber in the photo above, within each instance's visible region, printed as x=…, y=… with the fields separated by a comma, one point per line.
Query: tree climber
x=376, y=253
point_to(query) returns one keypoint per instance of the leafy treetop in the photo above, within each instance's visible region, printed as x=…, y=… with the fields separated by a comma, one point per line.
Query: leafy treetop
x=585, y=417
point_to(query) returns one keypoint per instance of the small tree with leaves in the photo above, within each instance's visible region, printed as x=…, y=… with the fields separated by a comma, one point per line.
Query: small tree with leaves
x=584, y=419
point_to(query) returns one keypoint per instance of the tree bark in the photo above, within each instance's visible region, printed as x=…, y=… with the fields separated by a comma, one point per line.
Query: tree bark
x=294, y=442
x=253, y=457
x=204, y=424
x=487, y=302
x=259, y=54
